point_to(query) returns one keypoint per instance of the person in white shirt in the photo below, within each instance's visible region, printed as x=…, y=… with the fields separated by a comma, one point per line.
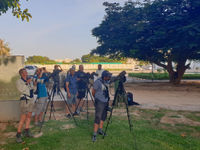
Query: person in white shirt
x=99, y=72
x=25, y=87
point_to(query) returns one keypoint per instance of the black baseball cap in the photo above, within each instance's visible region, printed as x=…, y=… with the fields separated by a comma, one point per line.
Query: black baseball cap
x=106, y=73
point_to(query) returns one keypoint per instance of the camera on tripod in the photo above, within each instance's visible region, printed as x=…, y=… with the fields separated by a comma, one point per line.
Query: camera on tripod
x=121, y=77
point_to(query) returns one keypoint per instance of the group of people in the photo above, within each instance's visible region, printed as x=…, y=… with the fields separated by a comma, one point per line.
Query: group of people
x=75, y=85
x=28, y=87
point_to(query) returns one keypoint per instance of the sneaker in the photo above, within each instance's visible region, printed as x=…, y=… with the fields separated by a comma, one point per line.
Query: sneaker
x=19, y=138
x=68, y=116
x=94, y=138
x=100, y=131
x=27, y=133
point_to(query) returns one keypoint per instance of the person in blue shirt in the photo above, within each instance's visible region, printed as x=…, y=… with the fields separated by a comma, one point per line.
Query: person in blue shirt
x=42, y=95
x=71, y=89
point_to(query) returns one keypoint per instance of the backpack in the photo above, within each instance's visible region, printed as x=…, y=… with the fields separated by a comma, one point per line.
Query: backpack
x=130, y=99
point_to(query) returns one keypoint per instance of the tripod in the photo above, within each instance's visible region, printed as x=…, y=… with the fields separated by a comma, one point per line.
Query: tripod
x=55, y=89
x=119, y=92
x=87, y=98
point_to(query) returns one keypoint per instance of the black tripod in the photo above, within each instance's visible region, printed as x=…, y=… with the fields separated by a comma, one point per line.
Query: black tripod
x=55, y=89
x=87, y=94
x=120, y=92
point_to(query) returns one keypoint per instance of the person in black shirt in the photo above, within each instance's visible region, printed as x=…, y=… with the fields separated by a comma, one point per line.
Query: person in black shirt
x=81, y=85
x=55, y=74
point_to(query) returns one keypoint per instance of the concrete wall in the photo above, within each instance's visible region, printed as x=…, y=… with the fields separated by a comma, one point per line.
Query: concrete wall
x=9, y=103
x=9, y=67
x=92, y=66
x=9, y=110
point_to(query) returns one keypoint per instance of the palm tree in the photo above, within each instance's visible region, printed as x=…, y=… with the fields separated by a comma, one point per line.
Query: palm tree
x=4, y=49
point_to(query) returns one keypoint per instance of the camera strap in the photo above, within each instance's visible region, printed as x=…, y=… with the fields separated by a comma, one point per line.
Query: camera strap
x=107, y=91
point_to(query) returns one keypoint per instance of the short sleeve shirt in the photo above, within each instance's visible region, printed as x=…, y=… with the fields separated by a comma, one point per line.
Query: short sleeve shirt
x=99, y=91
x=72, y=80
x=42, y=90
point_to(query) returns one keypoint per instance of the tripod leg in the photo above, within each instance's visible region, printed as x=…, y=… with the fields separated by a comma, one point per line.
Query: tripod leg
x=52, y=106
x=87, y=106
x=43, y=117
x=68, y=106
x=128, y=114
x=91, y=96
x=108, y=121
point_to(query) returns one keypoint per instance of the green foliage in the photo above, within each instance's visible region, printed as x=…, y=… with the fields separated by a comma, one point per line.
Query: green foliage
x=4, y=48
x=96, y=59
x=161, y=31
x=39, y=60
x=15, y=6
x=161, y=76
x=76, y=61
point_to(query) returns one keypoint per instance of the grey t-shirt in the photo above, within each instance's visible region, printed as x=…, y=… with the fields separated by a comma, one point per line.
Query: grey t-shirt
x=99, y=87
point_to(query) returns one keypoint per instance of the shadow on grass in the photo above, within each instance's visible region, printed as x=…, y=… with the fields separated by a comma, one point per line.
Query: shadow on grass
x=145, y=136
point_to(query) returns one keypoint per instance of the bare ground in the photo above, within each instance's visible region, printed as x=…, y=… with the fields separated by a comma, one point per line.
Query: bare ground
x=185, y=96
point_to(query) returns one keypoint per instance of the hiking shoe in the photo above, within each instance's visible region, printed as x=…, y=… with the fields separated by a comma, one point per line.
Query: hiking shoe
x=94, y=138
x=100, y=131
x=27, y=133
x=19, y=138
x=68, y=116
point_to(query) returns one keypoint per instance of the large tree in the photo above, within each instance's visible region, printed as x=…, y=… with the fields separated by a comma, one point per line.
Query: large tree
x=15, y=6
x=164, y=32
x=97, y=59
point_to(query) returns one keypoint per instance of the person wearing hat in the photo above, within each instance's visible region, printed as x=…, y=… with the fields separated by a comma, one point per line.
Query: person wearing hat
x=101, y=95
x=71, y=89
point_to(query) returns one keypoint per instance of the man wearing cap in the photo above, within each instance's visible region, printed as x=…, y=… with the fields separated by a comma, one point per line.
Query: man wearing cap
x=71, y=88
x=101, y=95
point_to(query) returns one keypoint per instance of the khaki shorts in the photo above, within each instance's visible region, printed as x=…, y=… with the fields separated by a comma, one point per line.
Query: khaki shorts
x=26, y=106
x=40, y=105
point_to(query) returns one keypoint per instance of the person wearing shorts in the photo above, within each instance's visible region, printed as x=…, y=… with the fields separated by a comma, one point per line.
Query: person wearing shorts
x=71, y=88
x=25, y=87
x=42, y=96
x=101, y=95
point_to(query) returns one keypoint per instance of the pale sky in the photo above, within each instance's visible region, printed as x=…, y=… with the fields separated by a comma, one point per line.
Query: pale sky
x=59, y=29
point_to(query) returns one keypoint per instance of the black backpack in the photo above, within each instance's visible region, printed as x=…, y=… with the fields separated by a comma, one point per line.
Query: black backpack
x=130, y=99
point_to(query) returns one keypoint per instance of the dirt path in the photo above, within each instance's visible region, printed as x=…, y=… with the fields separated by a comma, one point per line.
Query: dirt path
x=164, y=95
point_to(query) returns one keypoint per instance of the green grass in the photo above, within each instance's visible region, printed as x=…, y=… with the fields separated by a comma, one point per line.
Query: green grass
x=161, y=76
x=148, y=134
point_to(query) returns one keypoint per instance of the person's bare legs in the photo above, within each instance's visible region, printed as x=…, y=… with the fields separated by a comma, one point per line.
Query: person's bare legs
x=40, y=116
x=21, y=122
x=28, y=120
x=101, y=124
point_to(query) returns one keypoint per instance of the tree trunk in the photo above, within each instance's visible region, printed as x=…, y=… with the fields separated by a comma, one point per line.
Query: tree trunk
x=176, y=76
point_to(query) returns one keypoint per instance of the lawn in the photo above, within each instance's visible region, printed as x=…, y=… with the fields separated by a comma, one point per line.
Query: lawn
x=148, y=134
x=161, y=76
